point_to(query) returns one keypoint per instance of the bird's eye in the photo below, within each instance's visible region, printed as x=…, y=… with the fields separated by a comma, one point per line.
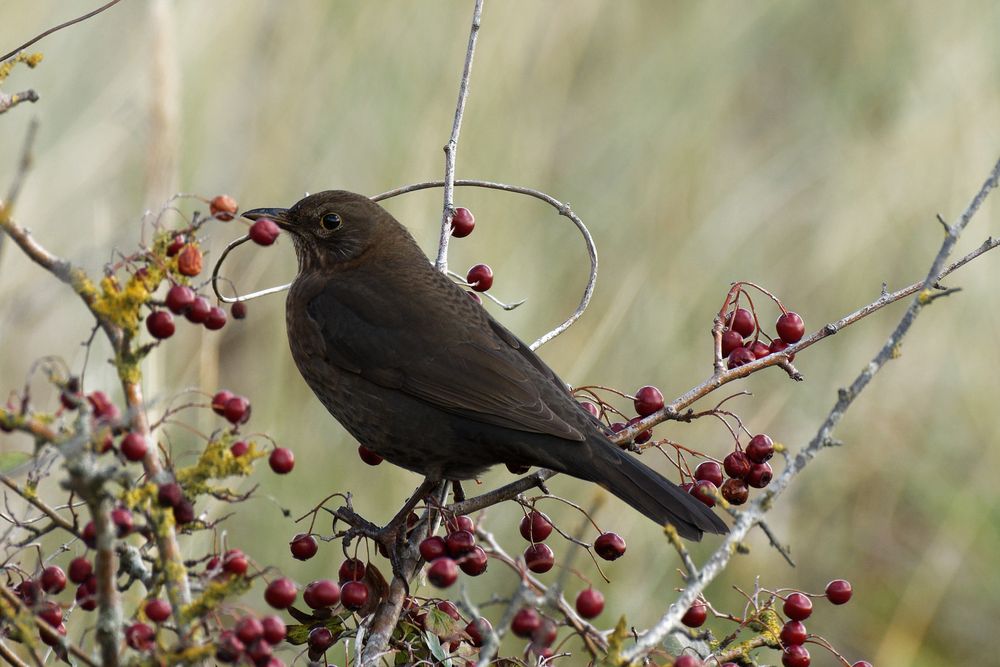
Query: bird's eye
x=330, y=222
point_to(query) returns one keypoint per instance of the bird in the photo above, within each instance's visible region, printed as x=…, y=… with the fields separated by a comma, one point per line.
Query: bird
x=421, y=374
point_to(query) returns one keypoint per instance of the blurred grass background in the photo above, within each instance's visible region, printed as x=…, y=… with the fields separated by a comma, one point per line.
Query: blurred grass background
x=807, y=148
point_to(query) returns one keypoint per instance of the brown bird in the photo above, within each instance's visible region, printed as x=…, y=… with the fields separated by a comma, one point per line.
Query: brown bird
x=424, y=376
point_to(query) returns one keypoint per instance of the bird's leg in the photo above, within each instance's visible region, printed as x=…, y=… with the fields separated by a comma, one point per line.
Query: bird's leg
x=396, y=528
x=457, y=492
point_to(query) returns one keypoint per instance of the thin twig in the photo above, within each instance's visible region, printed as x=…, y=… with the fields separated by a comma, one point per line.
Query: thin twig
x=60, y=27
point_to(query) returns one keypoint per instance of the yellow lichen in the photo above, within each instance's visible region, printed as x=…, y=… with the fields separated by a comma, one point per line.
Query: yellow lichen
x=216, y=592
x=29, y=59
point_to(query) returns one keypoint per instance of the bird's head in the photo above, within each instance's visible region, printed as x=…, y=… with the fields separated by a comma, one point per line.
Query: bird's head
x=332, y=227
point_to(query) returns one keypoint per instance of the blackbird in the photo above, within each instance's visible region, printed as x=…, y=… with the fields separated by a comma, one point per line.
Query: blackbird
x=420, y=373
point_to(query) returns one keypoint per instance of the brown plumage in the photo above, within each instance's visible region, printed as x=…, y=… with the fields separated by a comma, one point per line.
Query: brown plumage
x=421, y=374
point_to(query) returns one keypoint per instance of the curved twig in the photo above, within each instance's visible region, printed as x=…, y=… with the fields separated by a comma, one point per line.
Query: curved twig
x=67, y=24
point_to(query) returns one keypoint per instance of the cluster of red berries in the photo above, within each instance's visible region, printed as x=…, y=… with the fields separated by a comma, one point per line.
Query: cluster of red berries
x=646, y=401
x=541, y=630
x=742, y=325
x=251, y=638
x=236, y=410
x=456, y=550
x=745, y=468
x=51, y=581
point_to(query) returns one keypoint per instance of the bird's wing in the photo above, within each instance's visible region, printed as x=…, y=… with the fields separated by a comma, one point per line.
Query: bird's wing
x=443, y=349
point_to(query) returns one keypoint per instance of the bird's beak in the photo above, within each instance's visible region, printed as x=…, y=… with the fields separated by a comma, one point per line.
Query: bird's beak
x=279, y=215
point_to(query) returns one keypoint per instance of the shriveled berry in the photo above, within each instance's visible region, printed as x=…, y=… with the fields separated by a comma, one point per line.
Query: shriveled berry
x=219, y=401
x=352, y=569
x=239, y=448
x=737, y=465
x=303, y=546
x=102, y=407
x=474, y=563
x=443, y=572
x=539, y=558
x=264, y=231
x=480, y=277
x=793, y=633
x=735, y=491
x=647, y=401
x=741, y=321
x=759, y=349
x=229, y=648
x=730, y=341
x=50, y=612
x=170, y=494
x=760, y=475
x=198, y=311
x=589, y=603
x=274, y=629
x=216, y=318
x=53, y=580
x=157, y=610
x=189, y=260
x=160, y=324
x=280, y=593
x=797, y=607
x=354, y=595
x=795, y=656
x=320, y=639
x=139, y=636
x=760, y=449
x=462, y=223
x=687, y=660
x=535, y=527
x=696, y=615
x=281, y=460
x=609, y=546
x=704, y=491
x=478, y=630
x=838, y=591
x=709, y=471
x=778, y=345
x=740, y=356
x=223, y=207
x=321, y=593
x=460, y=542
x=525, y=622
x=790, y=327
x=433, y=547
x=80, y=570
x=179, y=299
x=369, y=456
x=134, y=446
x=237, y=410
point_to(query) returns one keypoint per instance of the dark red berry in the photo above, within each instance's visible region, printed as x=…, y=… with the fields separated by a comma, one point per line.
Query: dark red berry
x=778, y=345
x=443, y=572
x=686, y=487
x=862, y=663
x=122, y=518
x=184, y=512
x=478, y=630
x=175, y=245
x=432, y=548
x=239, y=448
x=647, y=401
x=351, y=569
x=160, y=324
x=462, y=223
x=89, y=534
x=759, y=349
x=50, y=612
x=760, y=448
x=354, y=595
x=234, y=562
x=280, y=593
x=320, y=639
x=696, y=615
x=539, y=558
x=53, y=638
x=737, y=465
x=80, y=570
x=795, y=656
x=198, y=311
x=53, y=580
x=259, y=653
x=219, y=402
x=282, y=460
x=223, y=207
x=321, y=593
x=838, y=591
x=103, y=408
x=29, y=591
x=793, y=633
x=687, y=660
x=229, y=648
x=797, y=607
x=740, y=356
x=480, y=277
x=303, y=546
x=759, y=476
x=641, y=436
x=473, y=563
x=704, y=491
x=735, y=491
x=216, y=318
x=449, y=608
x=170, y=494
x=461, y=522
x=274, y=629
x=189, y=260
x=709, y=471
x=85, y=598
x=544, y=636
x=369, y=456
x=790, y=327
x=609, y=546
x=591, y=408
x=157, y=610
x=460, y=542
x=264, y=231
x=741, y=321
x=535, y=527
x=730, y=341
x=139, y=636
x=238, y=310
x=134, y=446
x=525, y=622
x=589, y=603
x=475, y=297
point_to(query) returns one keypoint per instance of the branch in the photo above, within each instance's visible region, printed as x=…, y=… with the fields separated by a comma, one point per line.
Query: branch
x=8, y=102
x=60, y=27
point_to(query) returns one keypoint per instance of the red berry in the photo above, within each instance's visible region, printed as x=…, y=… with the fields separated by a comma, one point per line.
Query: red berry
x=189, y=260
x=264, y=231
x=730, y=341
x=589, y=603
x=704, y=491
x=838, y=591
x=53, y=581
x=223, y=207
x=198, y=311
x=539, y=558
x=759, y=476
x=50, y=612
x=122, y=518
x=170, y=494
x=760, y=448
x=544, y=636
x=443, y=572
x=238, y=310
x=354, y=595
x=432, y=548
x=777, y=345
x=795, y=656
x=303, y=546
x=89, y=534
x=735, y=491
x=320, y=639
x=134, y=446
x=53, y=639
x=687, y=660
x=351, y=569
x=449, y=608
x=274, y=629
x=480, y=277
x=793, y=633
x=740, y=356
x=741, y=321
x=462, y=522
x=609, y=546
x=239, y=448
x=790, y=327
x=696, y=615
x=797, y=607
x=647, y=401
x=862, y=663
x=535, y=527
x=229, y=648
x=160, y=324
x=234, y=562
x=758, y=349
x=321, y=593
x=282, y=460
x=157, y=610
x=216, y=318
x=175, y=245
x=29, y=591
x=686, y=487
x=641, y=436
x=525, y=622
x=183, y=512
x=462, y=223
x=85, y=598
x=280, y=593
x=473, y=563
x=475, y=297
x=103, y=408
x=369, y=456
x=259, y=653
x=709, y=471
x=219, y=402
x=460, y=542
x=737, y=465
x=237, y=410
x=139, y=636
x=80, y=570
x=591, y=408
x=477, y=630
